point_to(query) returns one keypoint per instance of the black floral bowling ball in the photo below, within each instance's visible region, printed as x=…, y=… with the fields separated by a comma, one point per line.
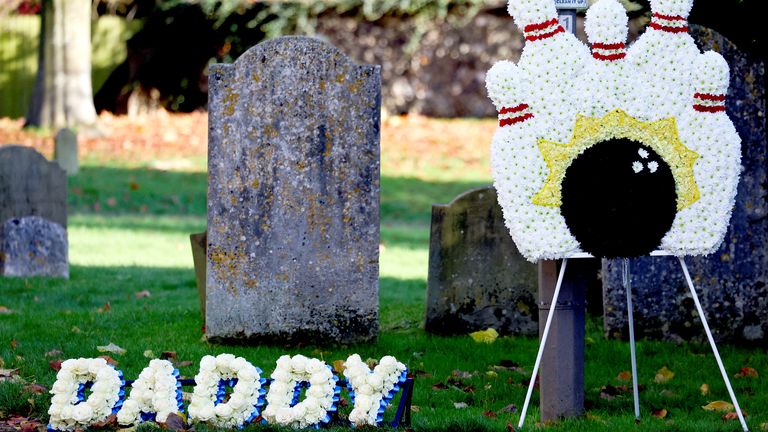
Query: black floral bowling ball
x=619, y=199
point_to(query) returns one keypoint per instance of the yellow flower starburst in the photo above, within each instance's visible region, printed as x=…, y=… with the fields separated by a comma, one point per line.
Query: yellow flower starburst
x=660, y=135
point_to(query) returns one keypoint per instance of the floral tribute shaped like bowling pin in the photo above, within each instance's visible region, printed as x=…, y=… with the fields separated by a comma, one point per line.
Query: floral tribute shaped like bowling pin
x=664, y=56
x=554, y=58
x=637, y=154
x=515, y=155
x=706, y=129
x=607, y=81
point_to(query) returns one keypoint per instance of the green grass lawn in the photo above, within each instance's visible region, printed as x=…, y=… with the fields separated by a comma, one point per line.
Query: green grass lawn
x=128, y=232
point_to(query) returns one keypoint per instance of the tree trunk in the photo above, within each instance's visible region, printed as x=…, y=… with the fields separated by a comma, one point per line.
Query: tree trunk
x=63, y=94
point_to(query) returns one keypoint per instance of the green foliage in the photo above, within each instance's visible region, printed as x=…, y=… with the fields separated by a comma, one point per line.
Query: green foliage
x=277, y=18
x=220, y=10
x=283, y=18
x=19, y=39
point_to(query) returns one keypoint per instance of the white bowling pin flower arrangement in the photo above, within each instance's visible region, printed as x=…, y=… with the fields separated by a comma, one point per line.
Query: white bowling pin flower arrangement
x=706, y=129
x=607, y=81
x=664, y=56
x=555, y=58
x=613, y=151
x=519, y=170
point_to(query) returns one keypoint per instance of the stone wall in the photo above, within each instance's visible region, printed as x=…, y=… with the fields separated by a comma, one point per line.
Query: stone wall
x=443, y=75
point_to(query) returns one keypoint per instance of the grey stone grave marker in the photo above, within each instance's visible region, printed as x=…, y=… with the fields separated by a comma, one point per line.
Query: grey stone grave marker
x=65, y=151
x=33, y=246
x=477, y=278
x=293, y=195
x=732, y=281
x=30, y=185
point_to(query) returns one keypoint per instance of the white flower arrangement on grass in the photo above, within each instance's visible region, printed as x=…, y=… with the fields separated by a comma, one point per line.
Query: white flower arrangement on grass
x=217, y=373
x=322, y=394
x=661, y=95
x=70, y=409
x=372, y=391
x=154, y=395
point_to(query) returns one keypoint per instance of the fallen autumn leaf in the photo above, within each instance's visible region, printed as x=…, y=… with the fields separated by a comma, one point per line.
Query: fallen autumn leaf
x=112, y=349
x=338, y=366
x=732, y=415
x=721, y=406
x=54, y=353
x=487, y=336
x=746, y=372
x=663, y=375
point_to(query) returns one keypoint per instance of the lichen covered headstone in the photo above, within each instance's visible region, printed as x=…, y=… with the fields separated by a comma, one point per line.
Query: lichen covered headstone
x=477, y=278
x=731, y=281
x=33, y=246
x=33, y=214
x=293, y=195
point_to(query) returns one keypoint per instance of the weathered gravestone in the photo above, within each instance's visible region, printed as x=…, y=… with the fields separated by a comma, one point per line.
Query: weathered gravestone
x=293, y=195
x=33, y=246
x=65, y=151
x=30, y=185
x=477, y=278
x=732, y=281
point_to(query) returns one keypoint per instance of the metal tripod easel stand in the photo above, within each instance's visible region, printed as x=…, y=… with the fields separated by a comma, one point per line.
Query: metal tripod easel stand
x=627, y=286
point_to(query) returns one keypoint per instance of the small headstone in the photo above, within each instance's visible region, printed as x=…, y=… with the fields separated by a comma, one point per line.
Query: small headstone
x=33, y=246
x=65, y=151
x=731, y=282
x=293, y=196
x=477, y=278
x=31, y=185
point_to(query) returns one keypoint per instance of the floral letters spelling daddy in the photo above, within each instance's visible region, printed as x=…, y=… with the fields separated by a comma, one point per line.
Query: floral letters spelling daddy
x=157, y=392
